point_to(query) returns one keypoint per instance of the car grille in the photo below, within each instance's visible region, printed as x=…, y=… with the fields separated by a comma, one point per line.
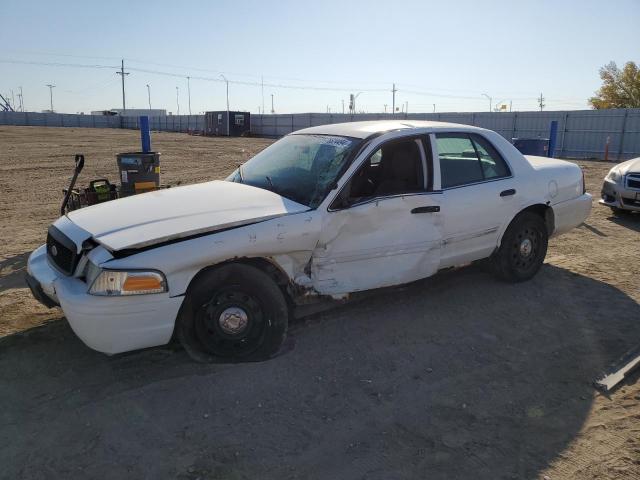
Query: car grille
x=633, y=181
x=61, y=251
x=631, y=202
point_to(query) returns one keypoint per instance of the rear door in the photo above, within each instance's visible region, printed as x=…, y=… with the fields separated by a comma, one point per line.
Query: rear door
x=384, y=227
x=478, y=196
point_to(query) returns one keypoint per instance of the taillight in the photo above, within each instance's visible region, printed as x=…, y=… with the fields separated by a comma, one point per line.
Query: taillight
x=584, y=185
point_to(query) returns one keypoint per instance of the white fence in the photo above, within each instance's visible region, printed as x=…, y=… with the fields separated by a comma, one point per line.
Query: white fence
x=170, y=123
x=581, y=133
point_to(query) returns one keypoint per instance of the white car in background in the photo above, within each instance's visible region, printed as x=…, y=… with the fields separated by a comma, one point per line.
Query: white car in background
x=621, y=187
x=324, y=211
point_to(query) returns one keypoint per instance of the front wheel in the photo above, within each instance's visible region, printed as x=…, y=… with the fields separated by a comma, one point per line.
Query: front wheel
x=523, y=248
x=235, y=312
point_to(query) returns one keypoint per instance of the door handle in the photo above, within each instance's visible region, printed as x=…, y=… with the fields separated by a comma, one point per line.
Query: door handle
x=506, y=193
x=427, y=209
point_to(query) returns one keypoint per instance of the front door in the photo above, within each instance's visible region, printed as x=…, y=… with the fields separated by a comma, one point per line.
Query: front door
x=384, y=228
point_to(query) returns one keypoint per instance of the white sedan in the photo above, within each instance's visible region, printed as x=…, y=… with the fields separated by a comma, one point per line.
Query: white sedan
x=323, y=212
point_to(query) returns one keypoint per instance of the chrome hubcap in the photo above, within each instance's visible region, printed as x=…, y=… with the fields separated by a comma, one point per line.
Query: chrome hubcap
x=526, y=246
x=233, y=320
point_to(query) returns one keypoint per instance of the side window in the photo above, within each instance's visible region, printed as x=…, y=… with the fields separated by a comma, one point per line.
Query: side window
x=459, y=163
x=468, y=159
x=396, y=168
x=493, y=165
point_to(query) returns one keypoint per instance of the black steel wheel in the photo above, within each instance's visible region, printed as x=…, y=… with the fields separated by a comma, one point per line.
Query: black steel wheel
x=235, y=312
x=523, y=248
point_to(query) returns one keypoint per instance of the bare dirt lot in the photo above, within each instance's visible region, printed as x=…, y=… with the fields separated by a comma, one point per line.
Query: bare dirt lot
x=457, y=376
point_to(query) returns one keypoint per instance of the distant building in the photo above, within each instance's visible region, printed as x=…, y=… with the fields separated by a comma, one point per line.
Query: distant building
x=132, y=112
x=239, y=123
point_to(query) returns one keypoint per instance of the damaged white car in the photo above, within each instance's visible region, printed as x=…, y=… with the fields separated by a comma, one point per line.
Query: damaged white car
x=325, y=211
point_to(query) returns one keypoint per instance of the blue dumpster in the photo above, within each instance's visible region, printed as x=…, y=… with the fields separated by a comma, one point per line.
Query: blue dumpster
x=532, y=146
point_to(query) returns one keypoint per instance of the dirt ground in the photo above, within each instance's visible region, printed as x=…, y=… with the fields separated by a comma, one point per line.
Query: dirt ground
x=456, y=376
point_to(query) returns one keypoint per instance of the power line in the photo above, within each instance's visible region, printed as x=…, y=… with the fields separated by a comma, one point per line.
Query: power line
x=260, y=83
x=56, y=64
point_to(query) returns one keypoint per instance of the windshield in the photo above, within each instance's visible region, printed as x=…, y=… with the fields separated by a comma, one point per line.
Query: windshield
x=302, y=168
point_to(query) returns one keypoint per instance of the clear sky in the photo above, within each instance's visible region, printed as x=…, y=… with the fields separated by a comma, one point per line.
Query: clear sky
x=446, y=53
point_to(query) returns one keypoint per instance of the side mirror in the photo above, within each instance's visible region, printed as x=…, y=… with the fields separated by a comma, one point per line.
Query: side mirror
x=342, y=200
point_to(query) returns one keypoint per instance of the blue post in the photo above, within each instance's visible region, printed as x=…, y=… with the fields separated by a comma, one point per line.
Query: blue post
x=145, y=134
x=553, y=137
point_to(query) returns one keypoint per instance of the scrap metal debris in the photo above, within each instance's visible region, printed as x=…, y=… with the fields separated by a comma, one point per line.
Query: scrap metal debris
x=620, y=370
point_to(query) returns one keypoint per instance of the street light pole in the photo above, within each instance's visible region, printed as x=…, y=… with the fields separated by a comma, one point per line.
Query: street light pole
x=227, y=82
x=177, y=100
x=189, y=93
x=149, y=96
x=485, y=95
x=51, y=87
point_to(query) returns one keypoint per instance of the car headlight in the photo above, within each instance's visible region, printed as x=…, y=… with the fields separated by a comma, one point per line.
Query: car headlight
x=614, y=176
x=120, y=283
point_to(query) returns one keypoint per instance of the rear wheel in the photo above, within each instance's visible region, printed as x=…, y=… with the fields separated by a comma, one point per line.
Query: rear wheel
x=235, y=312
x=523, y=248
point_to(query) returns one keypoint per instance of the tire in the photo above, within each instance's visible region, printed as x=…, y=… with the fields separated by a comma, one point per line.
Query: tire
x=523, y=248
x=233, y=313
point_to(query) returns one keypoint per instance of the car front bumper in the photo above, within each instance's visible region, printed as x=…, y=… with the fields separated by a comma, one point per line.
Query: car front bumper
x=106, y=324
x=617, y=195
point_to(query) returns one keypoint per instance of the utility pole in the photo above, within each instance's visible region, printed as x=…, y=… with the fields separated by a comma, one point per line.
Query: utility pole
x=541, y=102
x=149, y=96
x=353, y=102
x=385, y=108
x=272, y=110
x=189, y=93
x=122, y=73
x=227, y=82
x=434, y=108
x=21, y=101
x=485, y=95
x=262, y=86
x=177, y=100
x=51, y=87
x=343, y=106
x=393, y=91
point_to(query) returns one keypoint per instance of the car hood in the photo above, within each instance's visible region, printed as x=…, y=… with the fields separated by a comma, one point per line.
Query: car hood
x=163, y=215
x=629, y=166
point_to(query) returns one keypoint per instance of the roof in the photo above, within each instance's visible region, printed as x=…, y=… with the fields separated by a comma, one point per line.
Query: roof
x=364, y=129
